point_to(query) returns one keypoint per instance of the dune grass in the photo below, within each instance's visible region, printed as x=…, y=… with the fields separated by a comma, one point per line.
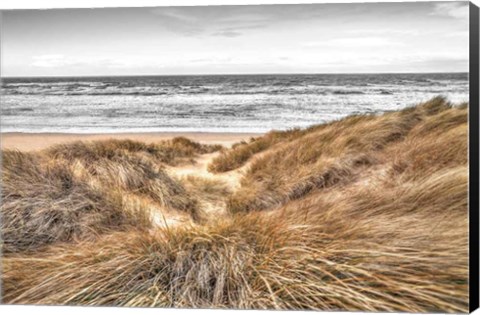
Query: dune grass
x=340, y=151
x=368, y=213
x=207, y=188
x=43, y=204
x=80, y=190
x=242, y=151
x=315, y=254
x=171, y=152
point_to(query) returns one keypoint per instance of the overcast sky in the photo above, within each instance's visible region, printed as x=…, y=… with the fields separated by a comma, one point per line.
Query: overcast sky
x=318, y=38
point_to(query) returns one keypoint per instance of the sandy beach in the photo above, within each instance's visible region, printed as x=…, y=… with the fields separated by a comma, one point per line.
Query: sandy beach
x=39, y=141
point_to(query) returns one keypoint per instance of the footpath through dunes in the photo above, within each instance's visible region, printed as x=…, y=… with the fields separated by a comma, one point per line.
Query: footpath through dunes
x=210, y=189
x=368, y=213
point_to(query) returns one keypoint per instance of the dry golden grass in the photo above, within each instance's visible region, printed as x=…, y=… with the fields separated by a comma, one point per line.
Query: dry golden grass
x=242, y=151
x=80, y=190
x=313, y=254
x=207, y=188
x=43, y=204
x=211, y=195
x=339, y=152
x=368, y=213
x=172, y=152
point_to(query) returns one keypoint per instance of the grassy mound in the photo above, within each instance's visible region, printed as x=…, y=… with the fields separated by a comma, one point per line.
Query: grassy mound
x=241, y=152
x=338, y=153
x=169, y=152
x=80, y=190
x=46, y=203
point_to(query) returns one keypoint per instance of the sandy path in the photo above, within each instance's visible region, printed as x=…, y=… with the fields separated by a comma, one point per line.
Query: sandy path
x=200, y=169
x=211, y=208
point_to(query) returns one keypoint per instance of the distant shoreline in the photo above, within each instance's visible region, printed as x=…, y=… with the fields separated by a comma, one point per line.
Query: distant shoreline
x=38, y=141
x=220, y=74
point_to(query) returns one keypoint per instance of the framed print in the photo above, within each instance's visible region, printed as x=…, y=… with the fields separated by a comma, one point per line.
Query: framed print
x=309, y=156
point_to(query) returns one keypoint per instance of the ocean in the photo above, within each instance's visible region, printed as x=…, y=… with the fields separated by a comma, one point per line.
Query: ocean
x=211, y=103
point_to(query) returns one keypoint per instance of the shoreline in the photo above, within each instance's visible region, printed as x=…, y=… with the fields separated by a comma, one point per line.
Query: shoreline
x=38, y=141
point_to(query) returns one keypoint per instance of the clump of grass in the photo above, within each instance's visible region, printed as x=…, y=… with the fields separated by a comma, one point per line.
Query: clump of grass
x=241, y=152
x=44, y=204
x=445, y=144
x=140, y=176
x=134, y=167
x=169, y=152
x=189, y=147
x=249, y=199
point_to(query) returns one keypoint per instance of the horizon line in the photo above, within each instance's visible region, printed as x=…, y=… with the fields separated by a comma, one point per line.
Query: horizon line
x=221, y=74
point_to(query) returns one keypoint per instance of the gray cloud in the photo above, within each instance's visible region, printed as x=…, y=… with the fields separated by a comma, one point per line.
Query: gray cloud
x=458, y=10
x=177, y=21
x=227, y=34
